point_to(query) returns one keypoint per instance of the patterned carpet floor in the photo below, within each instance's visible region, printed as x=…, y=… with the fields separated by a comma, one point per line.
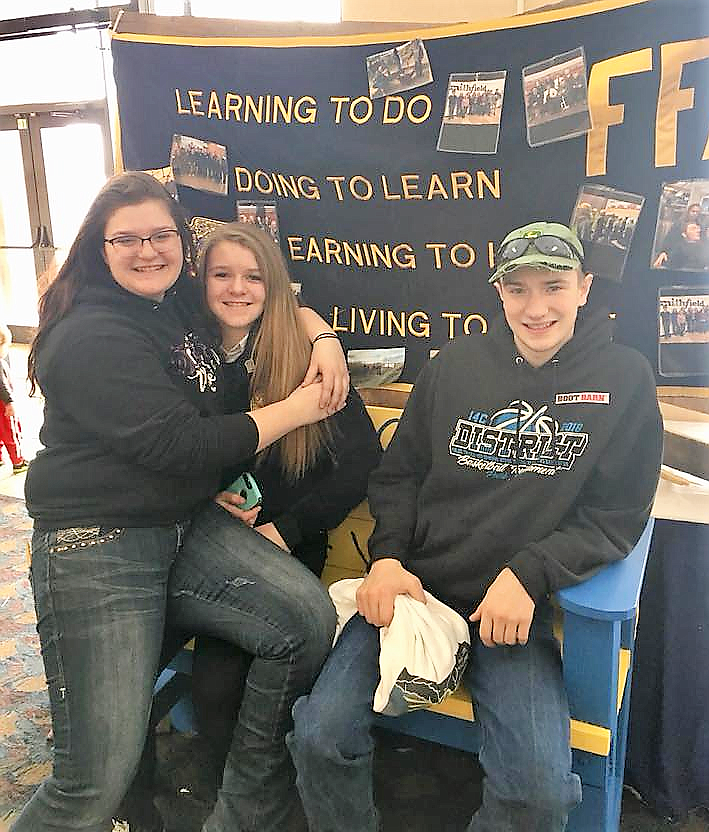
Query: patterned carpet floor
x=419, y=786
x=25, y=756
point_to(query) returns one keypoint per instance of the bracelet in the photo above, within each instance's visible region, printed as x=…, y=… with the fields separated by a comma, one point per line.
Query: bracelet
x=324, y=335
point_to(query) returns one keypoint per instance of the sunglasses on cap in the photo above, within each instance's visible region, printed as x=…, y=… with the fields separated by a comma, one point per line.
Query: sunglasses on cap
x=546, y=244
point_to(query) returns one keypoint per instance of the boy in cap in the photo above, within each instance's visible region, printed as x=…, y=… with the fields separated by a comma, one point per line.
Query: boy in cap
x=523, y=462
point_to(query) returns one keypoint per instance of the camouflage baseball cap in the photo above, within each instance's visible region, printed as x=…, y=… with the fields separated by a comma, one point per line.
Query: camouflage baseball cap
x=540, y=245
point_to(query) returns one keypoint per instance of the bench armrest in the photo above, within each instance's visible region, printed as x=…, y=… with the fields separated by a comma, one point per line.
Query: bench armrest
x=614, y=592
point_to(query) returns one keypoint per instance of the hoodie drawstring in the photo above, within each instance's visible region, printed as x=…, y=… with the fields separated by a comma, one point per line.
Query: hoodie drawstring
x=519, y=361
x=552, y=400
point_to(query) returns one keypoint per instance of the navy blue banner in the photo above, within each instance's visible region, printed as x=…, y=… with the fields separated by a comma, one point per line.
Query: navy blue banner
x=393, y=239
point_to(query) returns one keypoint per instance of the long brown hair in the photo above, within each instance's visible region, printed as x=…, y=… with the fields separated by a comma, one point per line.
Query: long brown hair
x=85, y=266
x=281, y=345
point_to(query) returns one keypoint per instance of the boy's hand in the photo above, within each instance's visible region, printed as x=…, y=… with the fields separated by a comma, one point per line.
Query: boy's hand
x=386, y=579
x=505, y=613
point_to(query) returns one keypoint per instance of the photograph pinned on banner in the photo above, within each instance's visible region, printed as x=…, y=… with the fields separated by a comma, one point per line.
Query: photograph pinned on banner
x=395, y=70
x=372, y=368
x=472, y=112
x=263, y=215
x=682, y=230
x=556, y=98
x=605, y=220
x=683, y=330
x=199, y=164
x=166, y=177
x=201, y=226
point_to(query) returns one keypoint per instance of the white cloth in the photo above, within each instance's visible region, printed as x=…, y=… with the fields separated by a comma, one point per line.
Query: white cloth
x=422, y=653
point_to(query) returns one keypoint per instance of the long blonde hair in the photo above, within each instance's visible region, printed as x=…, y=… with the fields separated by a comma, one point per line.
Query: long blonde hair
x=281, y=347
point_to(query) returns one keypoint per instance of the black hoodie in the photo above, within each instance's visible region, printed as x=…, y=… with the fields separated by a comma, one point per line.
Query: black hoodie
x=133, y=431
x=550, y=471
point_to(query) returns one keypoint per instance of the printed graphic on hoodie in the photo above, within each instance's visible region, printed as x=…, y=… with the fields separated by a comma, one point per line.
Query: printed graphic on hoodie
x=196, y=362
x=516, y=440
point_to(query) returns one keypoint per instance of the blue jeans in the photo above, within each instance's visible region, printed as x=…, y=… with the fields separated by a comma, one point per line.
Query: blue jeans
x=232, y=583
x=520, y=704
x=100, y=600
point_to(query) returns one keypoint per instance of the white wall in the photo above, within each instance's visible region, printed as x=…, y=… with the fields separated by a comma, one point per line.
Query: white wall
x=440, y=11
x=426, y=11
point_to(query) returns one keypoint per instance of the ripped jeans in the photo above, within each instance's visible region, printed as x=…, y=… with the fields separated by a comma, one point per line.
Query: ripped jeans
x=100, y=598
x=230, y=582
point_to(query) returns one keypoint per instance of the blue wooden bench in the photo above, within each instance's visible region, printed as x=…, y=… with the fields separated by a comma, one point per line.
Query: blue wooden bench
x=599, y=618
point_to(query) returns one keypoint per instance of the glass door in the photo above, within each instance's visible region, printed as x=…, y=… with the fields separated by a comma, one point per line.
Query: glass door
x=17, y=219
x=53, y=160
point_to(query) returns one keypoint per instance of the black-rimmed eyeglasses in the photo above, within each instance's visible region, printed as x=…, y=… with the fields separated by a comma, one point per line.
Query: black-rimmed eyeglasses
x=132, y=243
